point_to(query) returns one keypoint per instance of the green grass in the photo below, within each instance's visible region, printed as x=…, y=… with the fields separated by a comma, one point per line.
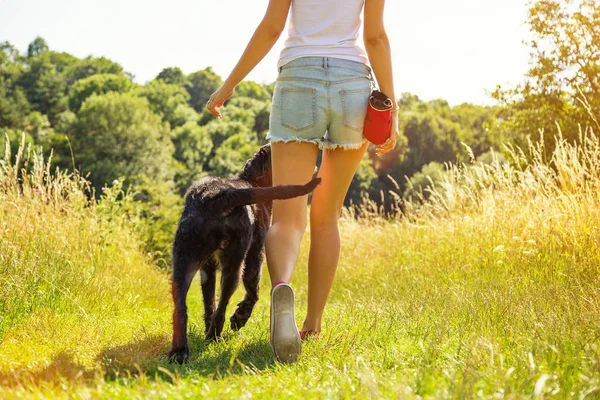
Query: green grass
x=491, y=289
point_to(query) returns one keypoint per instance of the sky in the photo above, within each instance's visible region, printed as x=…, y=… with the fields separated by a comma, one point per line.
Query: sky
x=458, y=50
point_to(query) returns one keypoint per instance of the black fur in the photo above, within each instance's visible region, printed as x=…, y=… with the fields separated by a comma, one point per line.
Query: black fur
x=224, y=224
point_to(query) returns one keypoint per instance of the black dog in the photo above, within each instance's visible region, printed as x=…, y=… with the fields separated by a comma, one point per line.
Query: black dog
x=224, y=225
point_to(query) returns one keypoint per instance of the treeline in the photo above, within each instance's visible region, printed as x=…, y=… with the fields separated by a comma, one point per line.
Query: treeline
x=160, y=132
x=95, y=118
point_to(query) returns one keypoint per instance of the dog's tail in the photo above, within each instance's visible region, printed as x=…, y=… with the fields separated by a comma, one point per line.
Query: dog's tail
x=228, y=199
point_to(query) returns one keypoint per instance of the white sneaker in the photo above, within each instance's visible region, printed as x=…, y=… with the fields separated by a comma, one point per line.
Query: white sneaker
x=285, y=339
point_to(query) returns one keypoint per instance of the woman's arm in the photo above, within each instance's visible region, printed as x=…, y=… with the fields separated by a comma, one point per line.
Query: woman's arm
x=377, y=46
x=262, y=41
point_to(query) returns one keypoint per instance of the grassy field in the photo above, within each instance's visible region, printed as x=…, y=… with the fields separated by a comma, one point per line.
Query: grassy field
x=489, y=290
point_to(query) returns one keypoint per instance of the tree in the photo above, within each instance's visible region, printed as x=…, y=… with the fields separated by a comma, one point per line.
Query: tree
x=193, y=147
x=420, y=183
x=256, y=114
x=91, y=66
x=361, y=182
x=231, y=156
x=8, y=54
x=37, y=47
x=222, y=129
x=172, y=76
x=200, y=85
x=97, y=84
x=431, y=137
x=44, y=82
x=565, y=70
x=13, y=106
x=253, y=90
x=169, y=101
x=116, y=134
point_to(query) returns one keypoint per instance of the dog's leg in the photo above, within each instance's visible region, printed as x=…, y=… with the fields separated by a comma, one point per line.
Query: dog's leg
x=208, y=281
x=232, y=263
x=183, y=273
x=251, y=279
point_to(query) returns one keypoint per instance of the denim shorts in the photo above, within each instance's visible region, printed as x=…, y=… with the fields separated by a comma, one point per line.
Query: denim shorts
x=321, y=100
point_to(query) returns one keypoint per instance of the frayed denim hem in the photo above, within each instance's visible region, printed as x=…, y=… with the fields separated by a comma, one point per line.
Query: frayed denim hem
x=346, y=146
x=322, y=144
x=297, y=139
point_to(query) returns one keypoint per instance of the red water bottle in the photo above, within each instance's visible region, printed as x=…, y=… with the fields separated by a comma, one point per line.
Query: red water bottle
x=378, y=125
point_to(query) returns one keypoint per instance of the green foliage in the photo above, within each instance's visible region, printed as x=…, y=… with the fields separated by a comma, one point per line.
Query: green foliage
x=232, y=154
x=38, y=126
x=169, y=101
x=13, y=105
x=45, y=82
x=172, y=76
x=12, y=64
x=420, y=183
x=8, y=54
x=257, y=115
x=193, y=147
x=48, y=93
x=117, y=135
x=97, y=84
x=91, y=66
x=362, y=181
x=562, y=87
x=200, y=85
x=430, y=132
x=253, y=90
x=37, y=47
x=15, y=140
x=261, y=119
x=220, y=130
x=183, y=114
x=436, y=132
x=56, y=85
x=157, y=208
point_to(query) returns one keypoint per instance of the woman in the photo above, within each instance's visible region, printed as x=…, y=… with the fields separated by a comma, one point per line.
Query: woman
x=319, y=101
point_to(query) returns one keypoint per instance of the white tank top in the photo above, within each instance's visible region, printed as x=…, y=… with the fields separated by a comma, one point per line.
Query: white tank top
x=327, y=28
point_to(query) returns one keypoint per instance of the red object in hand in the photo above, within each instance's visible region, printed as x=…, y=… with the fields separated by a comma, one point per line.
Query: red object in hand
x=377, y=126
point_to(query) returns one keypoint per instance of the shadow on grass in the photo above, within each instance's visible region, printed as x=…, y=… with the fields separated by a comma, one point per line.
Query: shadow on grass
x=148, y=356
x=207, y=359
x=130, y=359
x=110, y=363
x=63, y=367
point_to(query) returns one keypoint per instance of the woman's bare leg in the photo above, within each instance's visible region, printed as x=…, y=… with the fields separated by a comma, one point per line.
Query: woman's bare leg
x=293, y=163
x=336, y=172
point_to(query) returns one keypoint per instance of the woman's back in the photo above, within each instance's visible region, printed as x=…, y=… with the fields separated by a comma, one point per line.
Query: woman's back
x=324, y=28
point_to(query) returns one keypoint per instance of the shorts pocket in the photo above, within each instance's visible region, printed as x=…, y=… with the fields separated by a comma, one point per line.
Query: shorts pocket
x=354, y=107
x=298, y=110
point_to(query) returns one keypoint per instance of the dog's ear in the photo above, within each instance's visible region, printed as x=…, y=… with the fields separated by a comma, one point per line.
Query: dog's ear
x=266, y=173
x=258, y=166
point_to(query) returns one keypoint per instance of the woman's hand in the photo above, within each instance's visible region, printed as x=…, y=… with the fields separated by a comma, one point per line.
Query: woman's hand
x=217, y=99
x=389, y=144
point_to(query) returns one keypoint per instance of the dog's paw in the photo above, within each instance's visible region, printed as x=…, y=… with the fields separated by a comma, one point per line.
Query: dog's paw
x=237, y=322
x=213, y=337
x=179, y=356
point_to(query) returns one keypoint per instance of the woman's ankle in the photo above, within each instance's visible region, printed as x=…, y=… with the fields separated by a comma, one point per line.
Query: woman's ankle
x=311, y=326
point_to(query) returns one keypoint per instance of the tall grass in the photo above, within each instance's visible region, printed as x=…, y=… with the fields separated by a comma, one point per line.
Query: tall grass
x=486, y=287
x=68, y=267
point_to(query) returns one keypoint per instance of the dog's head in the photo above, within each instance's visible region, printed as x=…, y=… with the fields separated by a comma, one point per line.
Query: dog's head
x=258, y=168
